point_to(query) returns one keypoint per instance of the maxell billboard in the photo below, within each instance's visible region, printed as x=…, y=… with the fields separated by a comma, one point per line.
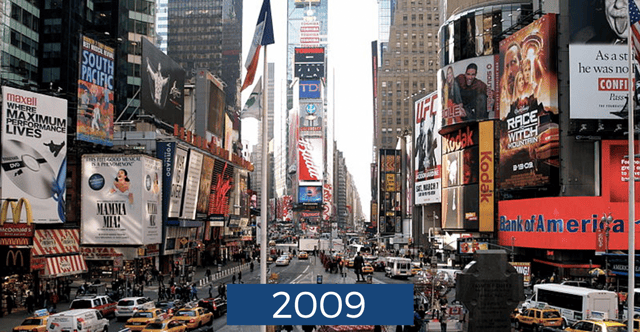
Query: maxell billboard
x=95, y=92
x=34, y=152
x=428, y=158
x=162, y=89
x=529, y=130
x=121, y=197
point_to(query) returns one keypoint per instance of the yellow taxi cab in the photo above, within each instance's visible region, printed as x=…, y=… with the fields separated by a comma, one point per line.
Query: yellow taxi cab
x=536, y=318
x=194, y=317
x=303, y=255
x=597, y=325
x=349, y=262
x=367, y=268
x=36, y=323
x=636, y=324
x=415, y=268
x=141, y=318
x=167, y=325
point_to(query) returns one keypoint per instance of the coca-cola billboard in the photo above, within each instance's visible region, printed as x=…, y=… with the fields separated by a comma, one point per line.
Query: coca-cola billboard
x=310, y=159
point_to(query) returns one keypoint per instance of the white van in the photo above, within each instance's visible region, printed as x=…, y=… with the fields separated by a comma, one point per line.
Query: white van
x=398, y=267
x=80, y=320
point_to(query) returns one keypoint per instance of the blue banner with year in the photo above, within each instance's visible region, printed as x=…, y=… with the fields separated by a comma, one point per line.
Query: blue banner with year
x=319, y=304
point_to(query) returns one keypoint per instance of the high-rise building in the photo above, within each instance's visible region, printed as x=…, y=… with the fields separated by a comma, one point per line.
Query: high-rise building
x=21, y=41
x=207, y=34
x=409, y=64
x=162, y=24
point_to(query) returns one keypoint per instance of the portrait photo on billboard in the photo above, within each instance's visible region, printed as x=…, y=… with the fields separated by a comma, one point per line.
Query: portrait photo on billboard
x=468, y=90
x=162, y=89
x=529, y=131
x=452, y=208
x=599, y=65
x=452, y=175
x=95, y=93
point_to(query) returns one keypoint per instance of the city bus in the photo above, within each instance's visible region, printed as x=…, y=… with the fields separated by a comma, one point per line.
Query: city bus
x=575, y=303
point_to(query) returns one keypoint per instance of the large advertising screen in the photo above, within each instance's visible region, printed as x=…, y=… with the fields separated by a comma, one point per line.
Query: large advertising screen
x=162, y=90
x=427, y=150
x=95, y=92
x=390, y=208
x=599, y=68
x=192, y=185
x=311, y=114
x=529, y=132
x=174, y=163
x=310, y=89
x=121, y=197
x=310, y=194
x=34, y=152
x=216, y=124
x=204, y=190
x=310, y=159
x=468, y=90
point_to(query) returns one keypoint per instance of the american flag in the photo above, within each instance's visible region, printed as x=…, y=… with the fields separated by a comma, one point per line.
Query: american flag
x=634, y=17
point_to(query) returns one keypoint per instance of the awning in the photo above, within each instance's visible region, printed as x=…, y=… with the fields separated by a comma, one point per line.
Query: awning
x=64, y=266
x=567, y=265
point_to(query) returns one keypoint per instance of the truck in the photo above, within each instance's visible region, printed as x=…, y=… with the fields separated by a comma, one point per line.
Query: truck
x=308, y=245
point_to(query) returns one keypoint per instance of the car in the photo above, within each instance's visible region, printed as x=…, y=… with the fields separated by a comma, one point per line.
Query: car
x=36, y=323
x=194, y=317
x=78, y=320
x=102, y=303
x=303, y=255
x=367, y=268
x=536, y=319
x=141, y=318
x=379, y=265
x=127, y=306
x=349, y=262
x=167, y=325
x=415, y=268
x=636, y=324
x=597, y=325
x=217, y=305
x=577, y=283
x=282, y=261
x=169, y=305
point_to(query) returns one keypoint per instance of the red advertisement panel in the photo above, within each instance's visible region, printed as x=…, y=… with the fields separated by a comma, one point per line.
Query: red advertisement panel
x=615, y=171
x=310, y=156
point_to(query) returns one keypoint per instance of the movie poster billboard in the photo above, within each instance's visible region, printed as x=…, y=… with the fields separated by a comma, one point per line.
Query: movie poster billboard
x=428, y=150
x=529, y=132
x=34, y=152
x=192, y=185
x=598, y=67
x=162, y=89
x=174, y=165
x=310, y=159
x=121, y=198
x=468, y=90
x=95, y=92
x=204, y=189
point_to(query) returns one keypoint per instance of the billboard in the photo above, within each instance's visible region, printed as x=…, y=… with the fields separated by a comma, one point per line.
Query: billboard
x=529, y=131
x=468, y=90
x=174, y=166
x=598, y=70
x=615, y=171
x=309, y=89
x=310, y=194
x=221, y=186
x=121, y=197
x=95, y=93
x=34, y=152
x=311, y=114
x=216, y=118
x=192, y=185
x=162, y=89
x=310, y=159
x=428, y=150
x=204, y=189
x=390, y=207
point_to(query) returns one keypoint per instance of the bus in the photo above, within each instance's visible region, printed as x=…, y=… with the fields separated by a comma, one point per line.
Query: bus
x=575, y=303
x=398, y=267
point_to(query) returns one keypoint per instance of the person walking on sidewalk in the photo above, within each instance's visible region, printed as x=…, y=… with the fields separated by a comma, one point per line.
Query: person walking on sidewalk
x=358, y=261
x=239, y=277
x=233, y=279
x=251, y=266
x=194, y=292
x=443, y=319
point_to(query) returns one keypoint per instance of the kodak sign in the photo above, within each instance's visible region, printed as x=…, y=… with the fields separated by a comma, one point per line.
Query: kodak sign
x=486, y=180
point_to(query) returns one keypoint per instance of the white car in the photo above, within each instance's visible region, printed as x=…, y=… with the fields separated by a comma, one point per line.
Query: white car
x=127, y=306
x=282, y=261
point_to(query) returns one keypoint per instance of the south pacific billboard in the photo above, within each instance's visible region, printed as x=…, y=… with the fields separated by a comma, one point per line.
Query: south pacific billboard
x=95, y=92
x=34, y=152
x=468, y=90
x=529, y=131
x=573, y=222
x=121, y=199
x=427, y=150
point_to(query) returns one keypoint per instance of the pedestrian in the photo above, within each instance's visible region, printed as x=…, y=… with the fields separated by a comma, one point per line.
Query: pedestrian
x=308, y=328
x=210, y=290
x=251, y=266
x=239, y=277
x=233, y=279
x=358, y=261
x=194, y=292
x=208, y=273
x=443, y=319
x=173, y=291
x=30, y=302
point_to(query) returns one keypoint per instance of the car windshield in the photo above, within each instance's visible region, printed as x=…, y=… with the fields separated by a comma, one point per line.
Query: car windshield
x=186, y=313
x=153, y=326
x=143, y=314
x=80, y=304
x=31, y=321
x=551, y=314
x=126, y=303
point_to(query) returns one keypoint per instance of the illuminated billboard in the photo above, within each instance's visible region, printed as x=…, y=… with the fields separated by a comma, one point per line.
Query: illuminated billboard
x=468, y=90
x=310, y=194
x=95, y=93
x=311, y=114
x=428, y=150
x=390, y=207
x=529, y=131
x=310, y=89
x=310, y=159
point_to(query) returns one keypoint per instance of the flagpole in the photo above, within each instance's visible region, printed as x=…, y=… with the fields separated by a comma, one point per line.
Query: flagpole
x=632, y=200
x=263, y=186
